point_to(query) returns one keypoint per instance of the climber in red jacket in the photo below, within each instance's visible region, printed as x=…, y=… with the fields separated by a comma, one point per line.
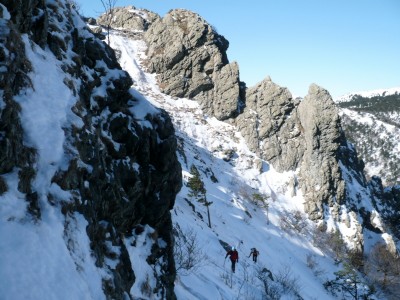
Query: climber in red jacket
x=234, y=256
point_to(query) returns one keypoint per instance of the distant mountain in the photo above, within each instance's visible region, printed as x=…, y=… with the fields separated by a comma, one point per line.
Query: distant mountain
x=371, y=121
x=368, y=94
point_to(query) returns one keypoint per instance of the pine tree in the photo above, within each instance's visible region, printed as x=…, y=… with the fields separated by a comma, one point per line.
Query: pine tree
x=347, y=282
x=195, y=184
x=198, y=191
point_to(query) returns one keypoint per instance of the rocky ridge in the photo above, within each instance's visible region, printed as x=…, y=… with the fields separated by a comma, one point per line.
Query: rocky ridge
x=189, y=58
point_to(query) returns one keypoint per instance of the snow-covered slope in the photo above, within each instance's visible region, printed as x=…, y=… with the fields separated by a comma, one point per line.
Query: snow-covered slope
x=231, y=175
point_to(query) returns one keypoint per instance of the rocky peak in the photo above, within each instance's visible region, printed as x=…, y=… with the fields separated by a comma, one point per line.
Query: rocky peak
x=304, y=136
x=269, y=124
x=128, y=18
x=322, y=181
x=190, y=59
x=295, y=134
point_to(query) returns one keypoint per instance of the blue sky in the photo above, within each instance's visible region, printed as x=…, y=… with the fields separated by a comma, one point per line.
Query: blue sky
x=342, y=45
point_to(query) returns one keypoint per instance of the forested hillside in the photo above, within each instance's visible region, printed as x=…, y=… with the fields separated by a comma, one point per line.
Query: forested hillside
x=372, y=124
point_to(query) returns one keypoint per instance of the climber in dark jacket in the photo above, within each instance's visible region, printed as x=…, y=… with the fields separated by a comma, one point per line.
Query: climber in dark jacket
x=255, y=253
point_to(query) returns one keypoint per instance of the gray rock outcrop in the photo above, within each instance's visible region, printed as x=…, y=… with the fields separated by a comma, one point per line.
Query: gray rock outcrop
x=190, y=59
x=271, y=126
x=304, y=136
x=295, y=134
x=321, y=178
x=389, y=203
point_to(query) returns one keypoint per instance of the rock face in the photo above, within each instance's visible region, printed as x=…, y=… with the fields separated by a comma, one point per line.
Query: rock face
x=305, y=136
x=122, y=171
x=295, y=134
x=270, y=124
x=322, y=181
x=389, y=203
x=190, y=59
x=14, y=67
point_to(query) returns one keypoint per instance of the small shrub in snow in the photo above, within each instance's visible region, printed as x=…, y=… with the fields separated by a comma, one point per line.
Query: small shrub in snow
x=188, y=254
x=244, y=191
x=233, y=182
x=3, y=186
x=271, y=290
x=355, y=259
x=331, y=242
x=247, y=217
x=246, y=282
x=383, y=269
x=288, y=281
x=313, y=264
x=336, y=243
x=145, y=287
x=293, y=220
x=284, y=283
x=109, y=14
x=226, y=277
